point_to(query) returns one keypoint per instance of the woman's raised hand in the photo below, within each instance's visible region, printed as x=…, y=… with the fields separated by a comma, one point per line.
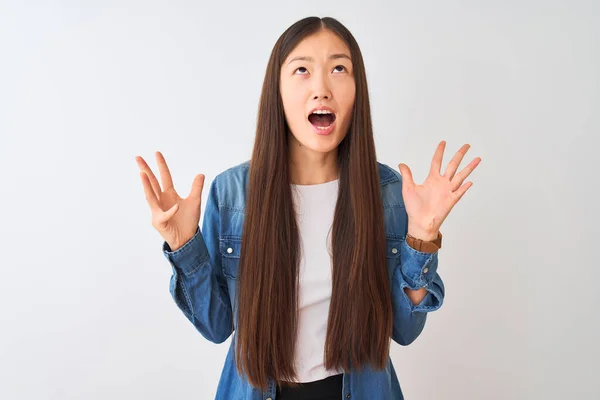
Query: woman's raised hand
x=175, y=218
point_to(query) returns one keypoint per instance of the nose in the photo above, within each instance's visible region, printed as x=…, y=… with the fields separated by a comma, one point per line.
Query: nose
x=321, y=88
x=321, y=95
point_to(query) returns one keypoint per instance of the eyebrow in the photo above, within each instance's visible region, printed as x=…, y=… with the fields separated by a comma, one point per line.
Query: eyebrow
x=310, y=59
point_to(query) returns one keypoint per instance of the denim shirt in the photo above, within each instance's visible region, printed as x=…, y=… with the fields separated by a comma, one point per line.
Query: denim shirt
x=205, y=269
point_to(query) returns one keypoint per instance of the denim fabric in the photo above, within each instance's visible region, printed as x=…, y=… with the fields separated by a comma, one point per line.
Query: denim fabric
x=204, y=280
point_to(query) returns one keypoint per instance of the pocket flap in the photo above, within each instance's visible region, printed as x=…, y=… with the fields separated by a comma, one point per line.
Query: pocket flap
x=230, y=247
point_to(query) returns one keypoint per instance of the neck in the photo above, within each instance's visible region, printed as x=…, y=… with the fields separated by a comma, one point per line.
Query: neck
x=308, y=167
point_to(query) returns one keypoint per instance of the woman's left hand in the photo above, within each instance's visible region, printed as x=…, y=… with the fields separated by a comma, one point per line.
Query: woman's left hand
x=429, y=204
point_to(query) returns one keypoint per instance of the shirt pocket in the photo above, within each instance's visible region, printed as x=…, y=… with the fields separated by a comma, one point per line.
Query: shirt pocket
x=230, y=248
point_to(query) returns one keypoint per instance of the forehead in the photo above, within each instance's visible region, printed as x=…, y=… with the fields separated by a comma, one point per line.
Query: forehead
x=319, y=46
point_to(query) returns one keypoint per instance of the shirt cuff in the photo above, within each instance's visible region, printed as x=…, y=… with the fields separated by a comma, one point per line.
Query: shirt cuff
x=418, y=268
x=189, y=257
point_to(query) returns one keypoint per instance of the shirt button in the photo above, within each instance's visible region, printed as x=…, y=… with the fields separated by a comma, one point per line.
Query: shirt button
x=394, y=250
x=348, y=396
x=230, y=250
x=425, y=270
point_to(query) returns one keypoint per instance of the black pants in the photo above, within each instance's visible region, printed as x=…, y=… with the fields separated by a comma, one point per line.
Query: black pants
x=329, y=388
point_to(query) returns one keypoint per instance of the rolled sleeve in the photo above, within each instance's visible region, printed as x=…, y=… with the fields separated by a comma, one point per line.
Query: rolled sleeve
x=418, y=268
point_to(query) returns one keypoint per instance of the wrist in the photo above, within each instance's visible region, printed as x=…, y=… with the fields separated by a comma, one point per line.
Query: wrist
x=423, y=234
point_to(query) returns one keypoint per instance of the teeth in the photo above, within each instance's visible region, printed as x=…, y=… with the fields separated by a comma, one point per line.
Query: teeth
x=322, y=112
x=323, y=128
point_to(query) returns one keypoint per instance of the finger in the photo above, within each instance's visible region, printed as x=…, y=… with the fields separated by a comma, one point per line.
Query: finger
x=165, y=174
x=455, y=162
x=153, y=181
x=436, y=162
x=197, y=185
x=461, y=191
x=464, y=173
x=407, y=178
x=149, y=192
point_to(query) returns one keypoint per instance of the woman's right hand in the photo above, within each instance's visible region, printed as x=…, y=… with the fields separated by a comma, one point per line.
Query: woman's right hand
x=175, y=218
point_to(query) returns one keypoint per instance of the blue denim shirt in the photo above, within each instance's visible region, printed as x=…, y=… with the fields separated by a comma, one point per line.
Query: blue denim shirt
x=204, y=281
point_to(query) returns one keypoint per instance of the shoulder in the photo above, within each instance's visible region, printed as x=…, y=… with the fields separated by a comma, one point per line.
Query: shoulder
x=388, y=175
x=231, y=184
x=234, y=174
x=391, y=186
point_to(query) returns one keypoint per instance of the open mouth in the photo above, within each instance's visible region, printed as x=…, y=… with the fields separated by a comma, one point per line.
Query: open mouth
x=321, y=119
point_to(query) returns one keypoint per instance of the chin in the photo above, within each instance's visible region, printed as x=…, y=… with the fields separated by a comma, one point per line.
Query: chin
x=323, y=144
x=319, y=143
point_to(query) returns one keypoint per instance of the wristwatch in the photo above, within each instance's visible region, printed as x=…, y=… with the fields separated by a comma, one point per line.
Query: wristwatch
x=425, y=246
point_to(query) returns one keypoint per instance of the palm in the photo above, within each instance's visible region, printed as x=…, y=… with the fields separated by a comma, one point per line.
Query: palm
x=188, y=208
x=428, y=204
x=429, y=199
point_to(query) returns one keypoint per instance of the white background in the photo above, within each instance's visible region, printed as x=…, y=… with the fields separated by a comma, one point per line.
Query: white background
x=86, y=86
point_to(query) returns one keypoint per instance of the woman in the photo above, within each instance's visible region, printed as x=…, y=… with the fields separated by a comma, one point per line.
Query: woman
x=312, y=253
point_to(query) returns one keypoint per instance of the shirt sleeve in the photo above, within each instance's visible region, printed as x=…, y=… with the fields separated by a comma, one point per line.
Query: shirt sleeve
x=416, y=270
x=197, y=284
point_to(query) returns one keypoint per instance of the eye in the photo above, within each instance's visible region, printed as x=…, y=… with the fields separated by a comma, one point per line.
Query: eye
x=340, y=66
x=301, y=68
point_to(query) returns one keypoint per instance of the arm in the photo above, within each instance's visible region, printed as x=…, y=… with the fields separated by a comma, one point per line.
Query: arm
x=416, y=290
x=197, y=284
x=428, y=205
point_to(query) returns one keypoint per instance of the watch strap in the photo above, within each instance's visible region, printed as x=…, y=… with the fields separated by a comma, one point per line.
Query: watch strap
x=424, y=245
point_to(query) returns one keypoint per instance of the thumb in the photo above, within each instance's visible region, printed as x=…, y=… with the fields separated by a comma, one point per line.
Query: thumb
x=167, y=215
x=407, y=178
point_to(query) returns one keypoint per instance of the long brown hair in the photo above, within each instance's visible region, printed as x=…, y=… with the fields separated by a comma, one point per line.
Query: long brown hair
x=360, y=317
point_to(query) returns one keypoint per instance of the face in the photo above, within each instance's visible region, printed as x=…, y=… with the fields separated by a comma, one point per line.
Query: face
x=317, y=89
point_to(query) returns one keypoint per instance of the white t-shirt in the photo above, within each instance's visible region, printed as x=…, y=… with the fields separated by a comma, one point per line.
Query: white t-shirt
x=315, y=207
